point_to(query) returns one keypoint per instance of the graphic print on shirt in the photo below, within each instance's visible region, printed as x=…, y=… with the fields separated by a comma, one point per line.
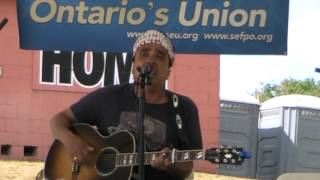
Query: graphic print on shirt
x=155, y=130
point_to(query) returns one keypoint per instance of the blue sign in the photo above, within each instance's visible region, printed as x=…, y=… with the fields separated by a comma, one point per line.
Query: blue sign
x=195, y=26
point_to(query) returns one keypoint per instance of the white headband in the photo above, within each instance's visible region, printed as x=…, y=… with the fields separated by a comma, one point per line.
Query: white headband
x=156, y=37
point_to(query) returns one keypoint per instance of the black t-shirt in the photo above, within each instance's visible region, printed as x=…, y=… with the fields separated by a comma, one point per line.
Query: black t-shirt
x=113, y=108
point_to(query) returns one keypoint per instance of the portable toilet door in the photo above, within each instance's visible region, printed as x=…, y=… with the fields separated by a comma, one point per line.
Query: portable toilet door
x=238, y=127
x=289, y=136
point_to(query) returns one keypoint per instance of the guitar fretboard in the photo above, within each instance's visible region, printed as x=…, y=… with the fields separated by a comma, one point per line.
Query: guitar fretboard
x=132, y=159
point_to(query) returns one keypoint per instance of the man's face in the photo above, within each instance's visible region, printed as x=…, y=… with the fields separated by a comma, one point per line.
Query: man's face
x=157, y=56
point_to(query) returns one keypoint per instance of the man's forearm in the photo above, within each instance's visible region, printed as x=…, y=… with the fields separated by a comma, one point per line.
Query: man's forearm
x=181, y=170
x=59, y=125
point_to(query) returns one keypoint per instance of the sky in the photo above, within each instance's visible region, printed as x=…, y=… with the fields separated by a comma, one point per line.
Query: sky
x=243, y=74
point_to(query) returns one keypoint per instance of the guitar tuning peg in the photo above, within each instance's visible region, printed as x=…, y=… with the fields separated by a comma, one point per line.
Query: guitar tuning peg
x=225, y=160
x=233, y=161
x=234, y=151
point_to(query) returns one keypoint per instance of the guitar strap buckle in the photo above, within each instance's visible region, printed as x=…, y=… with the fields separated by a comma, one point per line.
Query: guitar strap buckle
x=175, y=102
x=176, y=108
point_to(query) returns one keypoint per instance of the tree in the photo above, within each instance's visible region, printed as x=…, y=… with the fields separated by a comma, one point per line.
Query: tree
x=289, y=86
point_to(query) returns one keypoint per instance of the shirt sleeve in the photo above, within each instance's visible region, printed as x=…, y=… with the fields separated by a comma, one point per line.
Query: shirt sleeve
x=191, y=121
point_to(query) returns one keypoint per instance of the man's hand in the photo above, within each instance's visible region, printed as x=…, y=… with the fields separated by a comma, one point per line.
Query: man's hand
x=77, y=148
x=60, y=127
x=162, y=161
x=180, y=170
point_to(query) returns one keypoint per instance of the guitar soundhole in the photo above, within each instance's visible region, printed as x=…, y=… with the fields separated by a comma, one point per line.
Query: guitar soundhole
x=105, y=162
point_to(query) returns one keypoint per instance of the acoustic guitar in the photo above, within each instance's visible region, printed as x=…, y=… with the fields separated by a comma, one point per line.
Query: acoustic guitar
x=115, y=155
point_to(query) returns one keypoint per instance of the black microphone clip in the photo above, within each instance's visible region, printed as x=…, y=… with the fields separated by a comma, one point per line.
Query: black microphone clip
x=146, y=70
x=146, y=73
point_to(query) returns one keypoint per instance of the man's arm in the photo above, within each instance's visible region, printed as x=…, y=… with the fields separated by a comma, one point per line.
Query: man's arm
x=192, y=129
x=60, y=124
x=180, y=170
x=60, y=129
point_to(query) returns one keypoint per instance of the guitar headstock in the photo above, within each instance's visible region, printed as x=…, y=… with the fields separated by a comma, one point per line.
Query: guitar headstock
x=227, y=155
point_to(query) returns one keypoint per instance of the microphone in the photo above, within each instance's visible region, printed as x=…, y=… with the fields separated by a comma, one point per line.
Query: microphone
x=146, y=70
x=3, y=23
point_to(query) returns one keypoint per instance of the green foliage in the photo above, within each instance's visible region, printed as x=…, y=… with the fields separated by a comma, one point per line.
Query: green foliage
x=289, y=86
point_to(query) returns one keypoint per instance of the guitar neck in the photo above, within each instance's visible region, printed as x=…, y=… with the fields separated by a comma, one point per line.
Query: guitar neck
x=132, y=159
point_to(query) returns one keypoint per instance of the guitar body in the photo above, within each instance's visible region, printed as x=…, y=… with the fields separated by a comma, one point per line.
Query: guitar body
x=97, y=165
x=115, y=155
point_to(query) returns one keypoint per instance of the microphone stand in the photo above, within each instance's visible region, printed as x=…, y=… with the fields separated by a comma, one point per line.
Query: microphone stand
x=145, y=79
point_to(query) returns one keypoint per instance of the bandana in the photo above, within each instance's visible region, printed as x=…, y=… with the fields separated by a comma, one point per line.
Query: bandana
x=156, y=37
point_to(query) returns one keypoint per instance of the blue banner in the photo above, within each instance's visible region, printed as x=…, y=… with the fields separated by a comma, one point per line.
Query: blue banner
x=195, y=26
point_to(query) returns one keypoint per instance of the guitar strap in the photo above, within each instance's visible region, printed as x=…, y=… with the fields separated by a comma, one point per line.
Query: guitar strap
x=176, y=112
x=177, y=115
